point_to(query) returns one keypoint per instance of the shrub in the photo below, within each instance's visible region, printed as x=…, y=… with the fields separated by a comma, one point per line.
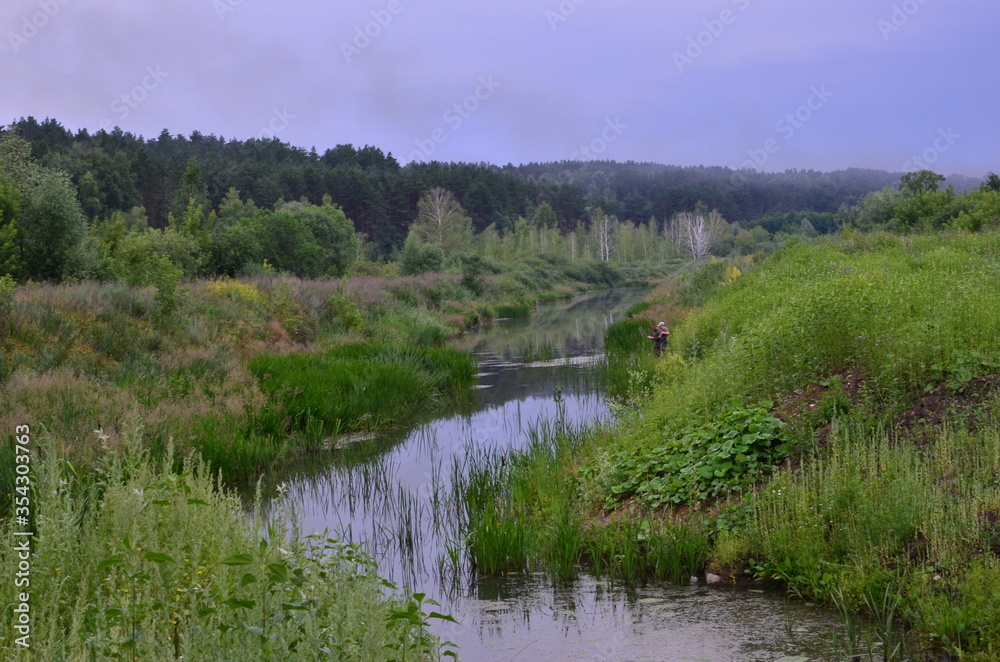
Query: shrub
x=418, y=257
x=343, y=312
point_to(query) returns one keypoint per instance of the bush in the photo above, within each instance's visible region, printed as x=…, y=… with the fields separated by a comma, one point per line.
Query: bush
x=418, y=257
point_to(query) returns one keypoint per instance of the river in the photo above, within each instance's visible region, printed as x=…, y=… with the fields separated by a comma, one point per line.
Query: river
x=391, y=494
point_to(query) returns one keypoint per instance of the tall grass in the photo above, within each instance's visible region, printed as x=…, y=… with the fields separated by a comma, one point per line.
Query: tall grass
x=146, y=563
x=523, y=510
x=499, y=538
x=893, y=529
x=642, y=546
x=518, y=309
x=361, y=386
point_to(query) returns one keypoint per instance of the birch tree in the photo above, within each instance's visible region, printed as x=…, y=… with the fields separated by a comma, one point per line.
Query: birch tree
x=604, y=231
x=442, y=221
x=695, y=233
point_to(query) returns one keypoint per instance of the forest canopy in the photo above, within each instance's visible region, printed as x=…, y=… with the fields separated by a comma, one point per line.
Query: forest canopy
x=115, y=205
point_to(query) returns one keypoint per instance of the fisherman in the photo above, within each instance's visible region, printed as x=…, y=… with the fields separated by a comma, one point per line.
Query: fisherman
x=662, y=336
x=659, y=335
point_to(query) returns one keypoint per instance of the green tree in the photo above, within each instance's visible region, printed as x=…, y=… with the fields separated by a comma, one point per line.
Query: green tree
x=490, y=244
x=991, y=183
x=10, y=208
x=50, y=224
x=141, y=257
x=192, y=188
x=873, y=211
x=442, y=221
x=545, y=216
x=53, y=229
x=287, y=243
x=233, y=209
x=195, y=223
x=89, y=192
x=333, y=232
x=10, y=263
x=236, y=246
x=930, y=209
x=920, y=182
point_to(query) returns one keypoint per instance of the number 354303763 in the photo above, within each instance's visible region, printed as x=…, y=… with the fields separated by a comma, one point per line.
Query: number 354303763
x=22, y=462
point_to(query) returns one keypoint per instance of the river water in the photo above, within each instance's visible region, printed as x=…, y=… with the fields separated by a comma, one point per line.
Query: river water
x=391, y=494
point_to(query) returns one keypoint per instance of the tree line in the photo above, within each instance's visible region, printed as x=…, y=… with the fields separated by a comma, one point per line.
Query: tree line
x=115, y=205
x=116, y=171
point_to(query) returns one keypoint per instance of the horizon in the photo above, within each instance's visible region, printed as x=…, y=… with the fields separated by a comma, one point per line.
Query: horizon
x=768, y=84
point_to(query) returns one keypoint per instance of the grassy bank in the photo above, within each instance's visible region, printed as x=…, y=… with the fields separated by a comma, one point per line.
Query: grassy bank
x=827, y=419
x=136, y=561
x=137, y=395
x=186, y=361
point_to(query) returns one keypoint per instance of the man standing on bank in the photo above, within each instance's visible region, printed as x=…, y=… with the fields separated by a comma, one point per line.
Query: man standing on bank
x=661, y=334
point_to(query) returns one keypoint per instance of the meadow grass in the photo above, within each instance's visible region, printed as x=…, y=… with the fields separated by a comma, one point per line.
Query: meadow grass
x=909, y=312
x=875, y=516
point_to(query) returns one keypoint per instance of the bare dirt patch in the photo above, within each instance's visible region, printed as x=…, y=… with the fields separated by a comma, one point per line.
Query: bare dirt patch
x=943, y=405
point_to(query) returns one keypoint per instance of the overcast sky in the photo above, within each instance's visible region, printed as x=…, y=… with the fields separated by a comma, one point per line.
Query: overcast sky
x=773, y=84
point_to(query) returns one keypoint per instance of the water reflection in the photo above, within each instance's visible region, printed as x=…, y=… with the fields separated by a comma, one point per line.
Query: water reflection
x=527, y=617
